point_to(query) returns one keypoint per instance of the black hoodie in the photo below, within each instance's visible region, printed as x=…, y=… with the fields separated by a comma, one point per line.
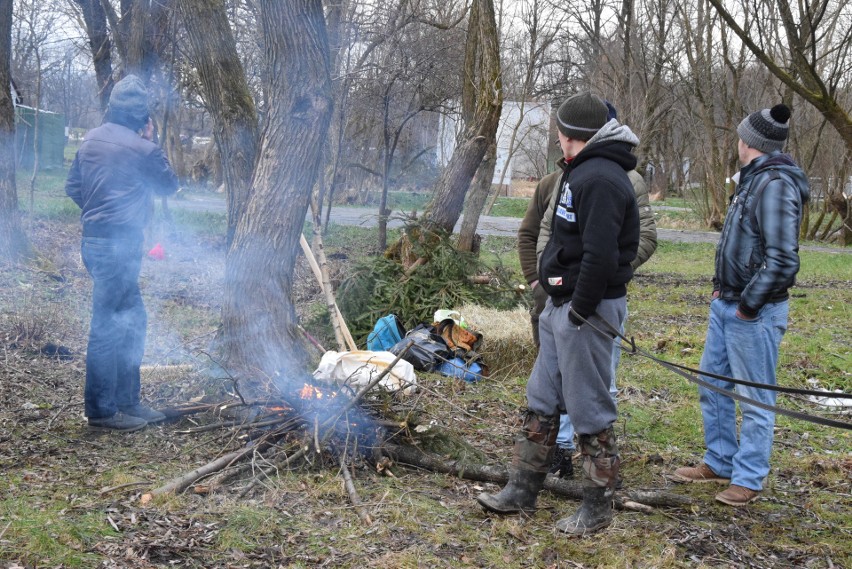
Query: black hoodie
x=595, y=229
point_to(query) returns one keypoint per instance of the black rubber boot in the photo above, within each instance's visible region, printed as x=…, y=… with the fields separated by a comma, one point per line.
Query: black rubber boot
x=595, y=513
x=519, y=495
x=531, y=458
x=562, y=464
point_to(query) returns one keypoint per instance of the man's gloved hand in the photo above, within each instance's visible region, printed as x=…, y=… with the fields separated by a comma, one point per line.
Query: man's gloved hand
x=574, y=318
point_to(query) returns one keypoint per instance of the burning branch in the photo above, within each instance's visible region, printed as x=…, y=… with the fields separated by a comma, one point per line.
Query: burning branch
x=321, y=431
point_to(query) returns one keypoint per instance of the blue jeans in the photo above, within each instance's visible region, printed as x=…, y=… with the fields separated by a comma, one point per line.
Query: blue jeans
x=565, y=437
x=745, y=349
x=117, y=331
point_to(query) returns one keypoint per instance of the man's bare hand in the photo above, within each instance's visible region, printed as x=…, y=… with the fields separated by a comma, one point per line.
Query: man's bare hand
x=148, y=130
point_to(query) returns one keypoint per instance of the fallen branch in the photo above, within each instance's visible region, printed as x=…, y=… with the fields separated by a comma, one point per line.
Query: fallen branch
x=499, y=475
x=353, y=493
x=238, y=425
x=181, y=483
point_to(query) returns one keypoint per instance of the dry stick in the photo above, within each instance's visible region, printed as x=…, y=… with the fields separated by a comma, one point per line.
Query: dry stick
x=349, y=484
x=180, y=483
x=499, y=475
x=319, y=252
x=238, y=425
x=111, y=489
x=317, y=447
x=341, y=331
x=270, y=469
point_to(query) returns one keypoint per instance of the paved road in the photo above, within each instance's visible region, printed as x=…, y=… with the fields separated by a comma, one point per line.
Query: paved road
x=488, y=225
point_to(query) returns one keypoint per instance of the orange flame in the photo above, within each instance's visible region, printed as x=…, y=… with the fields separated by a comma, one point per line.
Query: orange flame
x=310, y=392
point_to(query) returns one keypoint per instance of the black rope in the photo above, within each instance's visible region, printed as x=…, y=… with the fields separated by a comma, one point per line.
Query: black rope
x=682, y=370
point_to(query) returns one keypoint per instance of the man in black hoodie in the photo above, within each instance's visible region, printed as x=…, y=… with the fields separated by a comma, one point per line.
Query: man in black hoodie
x=585, y=268
x=113, y=179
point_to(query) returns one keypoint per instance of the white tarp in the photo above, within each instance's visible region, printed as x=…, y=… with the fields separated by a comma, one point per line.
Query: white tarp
x=358, y=368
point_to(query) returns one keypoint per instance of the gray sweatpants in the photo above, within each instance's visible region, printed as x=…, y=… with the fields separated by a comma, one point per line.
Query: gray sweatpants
x=573, y=370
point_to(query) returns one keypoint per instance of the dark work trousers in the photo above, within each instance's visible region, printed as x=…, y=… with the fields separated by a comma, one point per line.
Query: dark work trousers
x=117, y=332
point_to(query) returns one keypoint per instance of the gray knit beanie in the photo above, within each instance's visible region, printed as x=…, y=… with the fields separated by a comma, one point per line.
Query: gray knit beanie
x=128, y=102
x=581, y=116
x=766, y=130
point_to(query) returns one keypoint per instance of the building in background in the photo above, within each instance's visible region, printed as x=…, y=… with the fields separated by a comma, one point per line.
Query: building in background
x=50, y=139
x=522, y=141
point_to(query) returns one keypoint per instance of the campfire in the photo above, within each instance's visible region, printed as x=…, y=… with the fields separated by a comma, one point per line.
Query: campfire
x=313, y=426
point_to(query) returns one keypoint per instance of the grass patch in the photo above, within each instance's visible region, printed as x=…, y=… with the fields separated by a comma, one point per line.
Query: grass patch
x=510, y=207
x=51, y=532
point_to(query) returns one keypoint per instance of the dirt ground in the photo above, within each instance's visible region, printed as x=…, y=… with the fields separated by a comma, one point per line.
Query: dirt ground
x=71, y=498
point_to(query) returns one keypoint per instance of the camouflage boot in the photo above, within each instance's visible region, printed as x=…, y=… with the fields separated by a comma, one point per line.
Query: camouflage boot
x=530, y=462
x=600, y=469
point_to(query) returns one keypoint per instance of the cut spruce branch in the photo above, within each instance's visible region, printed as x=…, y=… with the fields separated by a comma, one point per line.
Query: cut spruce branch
x=498, y=475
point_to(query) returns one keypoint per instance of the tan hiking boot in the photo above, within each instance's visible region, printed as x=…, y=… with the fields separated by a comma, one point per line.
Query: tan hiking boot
x=737, y=495
x=700, y=473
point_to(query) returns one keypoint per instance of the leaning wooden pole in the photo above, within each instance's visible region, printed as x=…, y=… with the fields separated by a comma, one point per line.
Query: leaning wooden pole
x=341, y=331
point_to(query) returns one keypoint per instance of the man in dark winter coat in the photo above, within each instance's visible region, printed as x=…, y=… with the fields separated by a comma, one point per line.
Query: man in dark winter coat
x=756, y=263
x=115, y=174
x=585, y=268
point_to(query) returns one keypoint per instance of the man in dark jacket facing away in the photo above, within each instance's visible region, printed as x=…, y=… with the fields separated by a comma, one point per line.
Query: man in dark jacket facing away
x=757, y=259
x=533, y=235
x=115, y=174
x=584, y=268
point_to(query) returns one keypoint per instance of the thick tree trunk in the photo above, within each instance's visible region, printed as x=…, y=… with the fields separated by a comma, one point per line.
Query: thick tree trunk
x=99, y=42
x=227, y=96
x=480, y=130
x=477, y=199
x=13, y=241
x=258, y=318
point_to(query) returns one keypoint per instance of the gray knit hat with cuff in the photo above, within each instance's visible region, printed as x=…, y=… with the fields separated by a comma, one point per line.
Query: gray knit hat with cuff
x=128, y=102
x=581, y=116
x=766, y=130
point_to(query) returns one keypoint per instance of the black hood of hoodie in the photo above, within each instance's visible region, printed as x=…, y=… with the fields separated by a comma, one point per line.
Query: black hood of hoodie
x=617, y=151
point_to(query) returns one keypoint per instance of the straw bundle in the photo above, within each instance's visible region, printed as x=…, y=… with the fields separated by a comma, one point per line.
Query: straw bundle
x=507, y=343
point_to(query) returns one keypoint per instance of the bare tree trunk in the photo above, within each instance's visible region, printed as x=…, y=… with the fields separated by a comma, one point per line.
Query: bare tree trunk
x=95, y=19
x=476, y=200
x=13, y=241
x=486, y=98
x=258, y=318
x=227, y=96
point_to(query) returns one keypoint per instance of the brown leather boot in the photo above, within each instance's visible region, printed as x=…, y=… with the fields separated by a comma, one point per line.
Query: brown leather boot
x=531, y=460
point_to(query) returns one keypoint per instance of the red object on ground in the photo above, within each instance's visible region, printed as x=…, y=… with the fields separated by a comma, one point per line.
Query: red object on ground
x=157, y=253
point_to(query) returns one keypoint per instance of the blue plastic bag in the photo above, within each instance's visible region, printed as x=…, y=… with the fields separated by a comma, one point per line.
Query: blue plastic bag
x=456, y=367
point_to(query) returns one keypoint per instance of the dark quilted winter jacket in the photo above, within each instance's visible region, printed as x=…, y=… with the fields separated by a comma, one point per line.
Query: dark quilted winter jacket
x=758, y=253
